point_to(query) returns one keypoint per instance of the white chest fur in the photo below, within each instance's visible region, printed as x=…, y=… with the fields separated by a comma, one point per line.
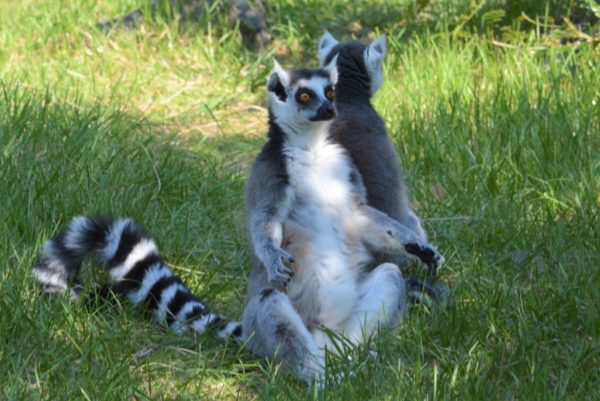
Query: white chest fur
x=319, y=175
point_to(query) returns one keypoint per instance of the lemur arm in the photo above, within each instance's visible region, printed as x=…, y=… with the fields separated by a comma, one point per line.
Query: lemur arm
x=384, y=234
x=268, y=202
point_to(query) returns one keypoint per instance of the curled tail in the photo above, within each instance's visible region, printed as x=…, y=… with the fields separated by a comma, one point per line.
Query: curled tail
x=136, y=269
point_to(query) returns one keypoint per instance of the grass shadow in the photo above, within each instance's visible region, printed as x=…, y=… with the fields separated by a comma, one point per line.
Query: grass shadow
x=62, y=158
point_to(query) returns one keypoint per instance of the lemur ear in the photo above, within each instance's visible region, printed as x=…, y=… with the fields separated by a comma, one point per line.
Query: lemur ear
x=326, y=43
x=331, y=68
x=373, y=57
x=278, y=81
x=284, y=76
x=375, y=52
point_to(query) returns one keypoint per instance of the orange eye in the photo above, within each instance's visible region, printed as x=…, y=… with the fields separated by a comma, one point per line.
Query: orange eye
x=330, y=95
x=304, y=97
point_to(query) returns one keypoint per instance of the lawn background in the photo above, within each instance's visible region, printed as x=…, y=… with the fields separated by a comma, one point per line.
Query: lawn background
x=493, y=107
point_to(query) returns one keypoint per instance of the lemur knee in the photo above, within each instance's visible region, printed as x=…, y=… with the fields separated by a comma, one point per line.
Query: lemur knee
x=389, y=270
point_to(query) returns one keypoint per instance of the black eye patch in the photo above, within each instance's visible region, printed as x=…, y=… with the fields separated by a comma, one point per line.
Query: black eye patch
x=304, y=96
x=276, y=87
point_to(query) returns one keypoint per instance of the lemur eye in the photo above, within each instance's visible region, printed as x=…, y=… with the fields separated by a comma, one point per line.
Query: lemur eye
x=330, y=95
x=304, y=97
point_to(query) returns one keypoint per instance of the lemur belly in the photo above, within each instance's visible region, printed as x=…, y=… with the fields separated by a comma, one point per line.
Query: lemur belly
x=324, y=289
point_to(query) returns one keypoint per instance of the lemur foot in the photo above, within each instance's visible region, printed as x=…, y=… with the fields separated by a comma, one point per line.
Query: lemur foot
x=277, y=273
x=428, y=292
x=428, y=254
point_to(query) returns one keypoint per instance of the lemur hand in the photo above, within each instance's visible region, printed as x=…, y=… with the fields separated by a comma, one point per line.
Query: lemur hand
x=277, y=273
x=427, y=253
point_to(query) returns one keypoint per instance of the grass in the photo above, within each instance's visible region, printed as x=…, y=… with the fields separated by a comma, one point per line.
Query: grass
x=502, y=152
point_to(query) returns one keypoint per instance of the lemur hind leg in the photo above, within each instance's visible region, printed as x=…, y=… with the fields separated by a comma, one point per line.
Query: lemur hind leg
x=382, y=303
x=275, y=329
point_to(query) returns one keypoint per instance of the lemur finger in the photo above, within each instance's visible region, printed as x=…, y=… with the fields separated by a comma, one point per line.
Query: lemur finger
x=283, y=270
x=435, y=264
x=431, y=269
x=426, y=254
x=280, y=275
x=286, y=257
x=279, y=281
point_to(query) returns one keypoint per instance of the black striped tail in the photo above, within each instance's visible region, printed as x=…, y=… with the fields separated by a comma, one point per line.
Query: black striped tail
x=137, y=271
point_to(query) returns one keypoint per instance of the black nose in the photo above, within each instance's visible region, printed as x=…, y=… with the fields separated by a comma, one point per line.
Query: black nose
x=328, y=109
x=325, y=112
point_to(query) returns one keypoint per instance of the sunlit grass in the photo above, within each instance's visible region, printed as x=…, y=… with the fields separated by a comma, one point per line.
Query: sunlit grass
x=501, y=149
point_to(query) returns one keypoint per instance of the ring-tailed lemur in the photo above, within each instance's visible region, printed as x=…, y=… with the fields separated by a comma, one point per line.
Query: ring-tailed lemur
x=312, y=234
x=359, y=128
x=137, y=271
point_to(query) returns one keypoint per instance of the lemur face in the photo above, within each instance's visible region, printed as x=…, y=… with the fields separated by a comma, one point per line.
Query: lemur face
x=300, y=98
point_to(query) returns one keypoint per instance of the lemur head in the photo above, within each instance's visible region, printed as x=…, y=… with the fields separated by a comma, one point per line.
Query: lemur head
x=363, y=62
x=302, y=99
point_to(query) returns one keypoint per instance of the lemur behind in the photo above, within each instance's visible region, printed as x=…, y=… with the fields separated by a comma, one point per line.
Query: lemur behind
x=312, y=234
x=138, y=272
x=360, y=129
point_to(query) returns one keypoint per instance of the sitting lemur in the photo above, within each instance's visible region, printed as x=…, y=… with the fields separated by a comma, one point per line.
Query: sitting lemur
x=313, y=234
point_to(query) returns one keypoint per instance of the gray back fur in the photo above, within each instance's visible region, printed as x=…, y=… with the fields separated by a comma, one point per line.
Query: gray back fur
x=361, y=130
